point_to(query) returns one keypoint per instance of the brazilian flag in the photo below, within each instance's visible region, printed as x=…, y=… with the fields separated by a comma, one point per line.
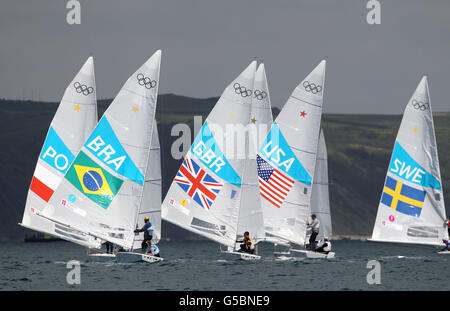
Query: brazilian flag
x=93, y=181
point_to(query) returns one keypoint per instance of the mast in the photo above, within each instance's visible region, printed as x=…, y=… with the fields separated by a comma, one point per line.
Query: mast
x=260, y=120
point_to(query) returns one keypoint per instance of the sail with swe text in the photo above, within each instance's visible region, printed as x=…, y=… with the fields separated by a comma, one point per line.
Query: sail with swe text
x=412, y=208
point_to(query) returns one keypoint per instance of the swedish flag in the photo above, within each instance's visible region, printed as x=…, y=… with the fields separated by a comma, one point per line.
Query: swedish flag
x=403, y=198
x=93, y=181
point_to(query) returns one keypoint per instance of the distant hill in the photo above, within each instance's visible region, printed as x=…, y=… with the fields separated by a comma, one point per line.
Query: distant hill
x=359, y=149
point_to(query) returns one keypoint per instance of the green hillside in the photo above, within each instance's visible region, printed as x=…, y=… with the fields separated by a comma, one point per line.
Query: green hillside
x=359, y=149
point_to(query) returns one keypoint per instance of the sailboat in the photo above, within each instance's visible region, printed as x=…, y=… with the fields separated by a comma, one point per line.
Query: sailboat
x=74, y=120
x=287, y=159
x=150, y=206
x=102, y=191
x=411, y=208
x=320, y=198
x=206, y=196
x=250, y=217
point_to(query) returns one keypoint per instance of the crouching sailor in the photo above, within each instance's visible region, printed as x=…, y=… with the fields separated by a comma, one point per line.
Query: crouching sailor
x=447, y=245
x=148, y=233
x=153, y=249
x=247, y=245
x=325, y=248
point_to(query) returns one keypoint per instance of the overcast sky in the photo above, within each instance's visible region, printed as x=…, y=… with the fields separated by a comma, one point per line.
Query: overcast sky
x=206, y=43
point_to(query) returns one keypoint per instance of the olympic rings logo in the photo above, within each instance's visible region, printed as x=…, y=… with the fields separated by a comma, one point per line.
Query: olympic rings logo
x=145, y=81
x=311, y=87
x=83, y=89
x=242, y=90
x=420, y=105
x=259, y=95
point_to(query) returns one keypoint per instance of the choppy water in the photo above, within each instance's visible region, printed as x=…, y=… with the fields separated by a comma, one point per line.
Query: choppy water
x=198, y=266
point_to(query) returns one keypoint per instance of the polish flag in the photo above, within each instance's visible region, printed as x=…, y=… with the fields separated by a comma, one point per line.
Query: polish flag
x=44, y=182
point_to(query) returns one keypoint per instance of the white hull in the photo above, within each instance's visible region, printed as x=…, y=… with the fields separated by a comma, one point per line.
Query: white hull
x=444, y=253
x=239, y=255
x=131, y=257
x=101, y=257
x=311, y=254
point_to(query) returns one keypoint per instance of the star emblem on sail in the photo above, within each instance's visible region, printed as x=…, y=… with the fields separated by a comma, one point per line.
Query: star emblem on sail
x=111, y=165
x=68, y=130
x=411, y=207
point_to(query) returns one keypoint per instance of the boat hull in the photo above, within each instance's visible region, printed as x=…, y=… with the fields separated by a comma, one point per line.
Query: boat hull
x=312, y=254
x=131, y=257
x=101, y=257
x=240, y=255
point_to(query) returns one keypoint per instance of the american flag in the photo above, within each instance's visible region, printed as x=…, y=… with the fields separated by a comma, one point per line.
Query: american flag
x=199, y=185
x=274, y=186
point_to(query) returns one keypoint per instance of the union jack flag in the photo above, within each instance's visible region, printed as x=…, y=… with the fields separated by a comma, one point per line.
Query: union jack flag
x=199, y=185
x=274, y=186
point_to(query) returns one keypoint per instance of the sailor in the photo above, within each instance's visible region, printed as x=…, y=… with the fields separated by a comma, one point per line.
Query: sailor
x=447, y=245
x=153, y=249
x=314, y=225
x=148, y=233
x=247, y=243
x=109, y=247
x=325, y=247
x=447, y=223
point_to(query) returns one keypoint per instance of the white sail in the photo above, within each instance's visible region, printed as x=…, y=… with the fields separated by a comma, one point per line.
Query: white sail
x=102, y=190
x=412, y=208
x=205, y=195
x=250, y=212
x=320, y=198
x=286, y=160
x=151, y=200
x=74, y=120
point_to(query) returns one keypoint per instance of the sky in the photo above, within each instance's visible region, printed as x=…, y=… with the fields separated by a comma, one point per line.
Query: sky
x=207, y=43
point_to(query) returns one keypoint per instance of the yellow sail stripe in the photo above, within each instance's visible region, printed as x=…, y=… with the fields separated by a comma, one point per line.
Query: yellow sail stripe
x=396, y=196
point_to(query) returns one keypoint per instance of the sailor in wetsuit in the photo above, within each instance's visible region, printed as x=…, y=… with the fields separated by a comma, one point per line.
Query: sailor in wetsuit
x=314, y=225
x=447, y=245
x=247, y=243
x=153, y=250
x=148, y=233
x=325, y=247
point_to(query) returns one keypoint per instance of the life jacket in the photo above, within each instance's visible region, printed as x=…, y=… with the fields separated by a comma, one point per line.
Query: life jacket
x=315, y=225
x=447, y=242
x=156, y=249
x=328, y=247
x=250, y=241
x=149, y=228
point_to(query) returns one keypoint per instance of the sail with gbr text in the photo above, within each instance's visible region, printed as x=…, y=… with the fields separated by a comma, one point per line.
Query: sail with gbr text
x=205, y=194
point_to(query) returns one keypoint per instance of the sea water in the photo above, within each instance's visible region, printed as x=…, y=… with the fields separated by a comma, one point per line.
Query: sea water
x=197, y=265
